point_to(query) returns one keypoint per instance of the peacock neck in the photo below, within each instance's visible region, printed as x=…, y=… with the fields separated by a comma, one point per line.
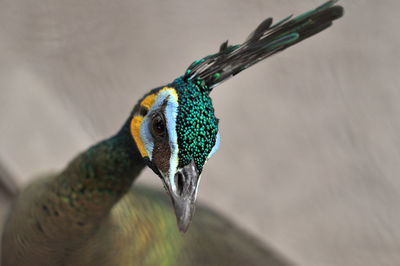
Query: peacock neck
x=97, y=178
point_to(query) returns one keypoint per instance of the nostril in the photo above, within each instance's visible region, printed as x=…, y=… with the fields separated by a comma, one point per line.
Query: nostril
x=179, y=182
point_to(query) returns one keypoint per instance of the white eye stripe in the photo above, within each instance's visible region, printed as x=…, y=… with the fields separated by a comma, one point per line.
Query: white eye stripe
x=159, y=100
x=146, y=137
x=171, y=112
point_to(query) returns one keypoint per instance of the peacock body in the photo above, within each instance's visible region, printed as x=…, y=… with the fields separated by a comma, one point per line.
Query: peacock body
x=88, y=214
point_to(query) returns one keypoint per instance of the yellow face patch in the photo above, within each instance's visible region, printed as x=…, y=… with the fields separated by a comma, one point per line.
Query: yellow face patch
x=148, y=101
x=172, y=91
x=137, y=121
x=135, y=128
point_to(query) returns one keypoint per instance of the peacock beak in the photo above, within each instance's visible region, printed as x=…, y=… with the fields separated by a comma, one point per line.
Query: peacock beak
x=183, y=191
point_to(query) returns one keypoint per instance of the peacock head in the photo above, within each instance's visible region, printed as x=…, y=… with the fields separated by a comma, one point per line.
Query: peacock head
x=176, y=132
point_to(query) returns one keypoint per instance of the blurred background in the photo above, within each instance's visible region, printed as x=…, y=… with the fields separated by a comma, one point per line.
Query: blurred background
x=309, y=160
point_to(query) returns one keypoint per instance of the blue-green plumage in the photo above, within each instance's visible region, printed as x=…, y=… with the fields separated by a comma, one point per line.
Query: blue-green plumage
x=196, y=125
x=88, y=214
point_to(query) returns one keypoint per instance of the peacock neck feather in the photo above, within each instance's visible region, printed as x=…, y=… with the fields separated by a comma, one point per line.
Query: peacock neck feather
x=97, y=178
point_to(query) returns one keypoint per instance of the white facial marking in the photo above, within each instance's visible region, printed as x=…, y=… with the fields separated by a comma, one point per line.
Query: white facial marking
x=215, y=148
x=171, y=112
x=146, y=137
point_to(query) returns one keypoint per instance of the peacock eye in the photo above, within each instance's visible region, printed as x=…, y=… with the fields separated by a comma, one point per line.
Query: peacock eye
x=158, y=125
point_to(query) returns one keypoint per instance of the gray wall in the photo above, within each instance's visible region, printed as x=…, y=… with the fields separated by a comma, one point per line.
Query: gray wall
x=310, y=151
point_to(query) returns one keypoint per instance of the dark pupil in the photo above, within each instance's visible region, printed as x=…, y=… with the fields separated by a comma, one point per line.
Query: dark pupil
x=158, y=125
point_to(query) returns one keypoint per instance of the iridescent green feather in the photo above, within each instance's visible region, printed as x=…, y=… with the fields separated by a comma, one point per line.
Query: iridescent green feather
x=196, y=125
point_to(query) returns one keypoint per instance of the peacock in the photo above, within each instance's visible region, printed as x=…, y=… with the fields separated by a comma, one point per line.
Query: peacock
x=90, y=214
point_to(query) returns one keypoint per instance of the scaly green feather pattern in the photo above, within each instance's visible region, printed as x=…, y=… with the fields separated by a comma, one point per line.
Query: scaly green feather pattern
x=196, y=124
x=141, y=230
x=59, y=214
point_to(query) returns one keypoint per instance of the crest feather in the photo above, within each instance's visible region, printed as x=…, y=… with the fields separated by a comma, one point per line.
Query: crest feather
x=264, y=41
